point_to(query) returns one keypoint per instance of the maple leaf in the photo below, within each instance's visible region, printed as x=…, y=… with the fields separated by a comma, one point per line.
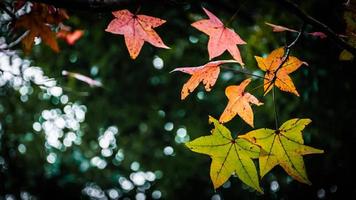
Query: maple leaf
x=37, y=27
x=239, y=103
x=207, y=74
x=319, y=34
x=136, y=29
x=284, y=147
x=277, y=75
x=228, y=156
x=221, y=38
x=38, y=23
x=71, y=37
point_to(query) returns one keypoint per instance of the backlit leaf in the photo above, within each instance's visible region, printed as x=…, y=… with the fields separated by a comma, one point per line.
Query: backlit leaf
x=277, y=75
x=229, y=156
x=136, y=29
x=239, y=103
x=207, y=74
x=284, y=147
x=221, y=38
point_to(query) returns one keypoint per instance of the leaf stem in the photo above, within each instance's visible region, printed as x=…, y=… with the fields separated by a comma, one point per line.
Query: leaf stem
x=275, y=108
x=243, y=72
x=234, y=15
x=286, y=54
x=138, y=10
x=255, y=88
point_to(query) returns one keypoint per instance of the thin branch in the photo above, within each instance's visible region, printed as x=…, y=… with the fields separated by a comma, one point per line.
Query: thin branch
x=296, y=38
x=286, y=55
x=18, y=40
x=257, y=87
x=294, y=8
x=242, y=72
x=97, y=5
x=235, y=14
x=7, y=11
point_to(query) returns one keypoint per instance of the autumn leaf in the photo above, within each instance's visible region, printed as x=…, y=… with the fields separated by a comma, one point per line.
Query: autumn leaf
x=136, y=29
x=279, y=28
x=221, y=38
x=229, y=156
x=284, y=147
x=207, y=74
x=239, y=103
x=277, y=75
x=38, y=22
x=318, y=34
x=71, y=37
x=91, y=82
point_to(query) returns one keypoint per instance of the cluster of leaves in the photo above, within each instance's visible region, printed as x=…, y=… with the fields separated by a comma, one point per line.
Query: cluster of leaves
x=283, y=146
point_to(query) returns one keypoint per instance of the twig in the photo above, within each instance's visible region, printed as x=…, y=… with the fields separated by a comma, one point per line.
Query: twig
x=286, y=55
x=294, y=8
x=97, y=5
x=18, y=40
x=243, y=72
x=235, y=14
x=284, y=60
x=5, y=9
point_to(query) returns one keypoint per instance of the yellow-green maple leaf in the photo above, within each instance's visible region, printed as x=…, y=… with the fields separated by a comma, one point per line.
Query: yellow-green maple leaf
x=284, y=147
x=228, y=156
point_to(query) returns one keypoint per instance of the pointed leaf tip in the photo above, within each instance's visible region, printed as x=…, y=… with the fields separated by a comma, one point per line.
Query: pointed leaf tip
x=223, y=149
x=143, y=26
x=206, y=74
x=221, y=39
x=284, y=147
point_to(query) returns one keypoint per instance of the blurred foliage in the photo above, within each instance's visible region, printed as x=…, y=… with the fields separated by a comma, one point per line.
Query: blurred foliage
x=143, y=102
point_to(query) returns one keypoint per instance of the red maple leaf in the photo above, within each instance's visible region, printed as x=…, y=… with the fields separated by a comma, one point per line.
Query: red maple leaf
x=221, y=37
x=136, y=29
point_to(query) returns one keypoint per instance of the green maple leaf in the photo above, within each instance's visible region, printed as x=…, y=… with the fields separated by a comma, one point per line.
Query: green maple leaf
x=228, y=156
x=284, y=147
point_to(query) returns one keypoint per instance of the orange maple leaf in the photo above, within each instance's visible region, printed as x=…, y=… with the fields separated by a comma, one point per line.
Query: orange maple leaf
x=207, y=74
x=136, y=29
x=239, y=103
x=276, y=74
x=71, y=37
x=221, y=38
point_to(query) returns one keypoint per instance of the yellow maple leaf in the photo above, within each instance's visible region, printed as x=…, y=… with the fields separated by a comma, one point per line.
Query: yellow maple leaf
x=284, y=147
x=277, y=70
